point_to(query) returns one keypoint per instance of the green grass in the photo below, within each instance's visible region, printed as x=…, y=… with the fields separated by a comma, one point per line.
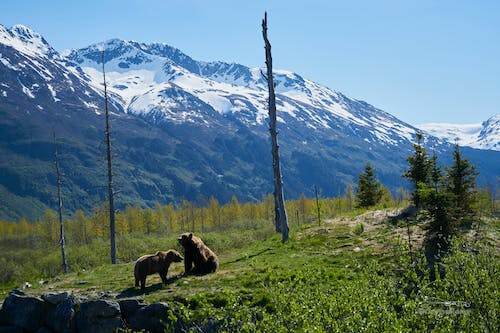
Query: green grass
x=326, y=278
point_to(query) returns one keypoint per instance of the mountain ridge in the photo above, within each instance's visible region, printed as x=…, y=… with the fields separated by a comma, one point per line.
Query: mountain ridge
x=221, y=85
x=182, y=129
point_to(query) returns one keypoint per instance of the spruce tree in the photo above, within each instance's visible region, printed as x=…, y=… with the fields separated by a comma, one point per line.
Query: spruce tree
x=436, y=200
x=419, y=171
x=461, y=185
x=369, y=191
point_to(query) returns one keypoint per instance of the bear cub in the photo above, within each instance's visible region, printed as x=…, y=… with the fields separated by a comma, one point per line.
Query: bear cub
x=196, y=252
x=155, y=263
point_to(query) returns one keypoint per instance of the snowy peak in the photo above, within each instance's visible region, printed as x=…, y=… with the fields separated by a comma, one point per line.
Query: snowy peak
x=32, y=72
x=490, y=133
x=166, y=51
x=481, y=136
x=26, y=41
x=122, y=56
x=115, y=51
x=149, y=78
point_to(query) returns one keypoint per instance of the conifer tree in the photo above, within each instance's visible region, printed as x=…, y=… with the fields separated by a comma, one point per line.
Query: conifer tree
x=369, y=191
x=419, y=171
x=436, y=200
x=461, y=185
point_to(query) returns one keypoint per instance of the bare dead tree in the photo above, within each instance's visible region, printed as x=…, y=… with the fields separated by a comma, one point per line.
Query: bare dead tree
x=317, y=204
x=60, y=206
x=110, y=172
x=279, y=199
x=408, y=231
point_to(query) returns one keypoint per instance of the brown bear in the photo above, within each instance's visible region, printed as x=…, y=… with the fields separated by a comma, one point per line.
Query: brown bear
x=196, y=252
x=155, y=263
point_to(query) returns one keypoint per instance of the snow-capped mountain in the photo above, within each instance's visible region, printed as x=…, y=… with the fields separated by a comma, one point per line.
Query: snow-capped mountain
x=482, y=136
x=182, y=129
x=159, y=79
x=32, y=68
x=26, y=41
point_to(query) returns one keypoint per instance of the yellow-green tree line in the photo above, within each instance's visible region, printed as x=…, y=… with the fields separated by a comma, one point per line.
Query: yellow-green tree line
x=82, y=228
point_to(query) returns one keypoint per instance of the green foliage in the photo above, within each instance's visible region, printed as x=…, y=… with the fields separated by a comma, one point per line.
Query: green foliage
x=316, y=282
x=460, y=185
x=359, y=228
x=419, y=168
x=369, y=191
x=369, y=298
x=438, y=205
x=449, y=198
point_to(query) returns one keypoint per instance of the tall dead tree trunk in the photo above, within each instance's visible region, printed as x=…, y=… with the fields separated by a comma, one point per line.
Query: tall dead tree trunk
x=279, y=199
x=110, y=173
x=318, y=208
x=59, y=197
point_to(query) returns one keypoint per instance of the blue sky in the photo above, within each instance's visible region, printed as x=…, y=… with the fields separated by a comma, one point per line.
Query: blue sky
x=420, y=60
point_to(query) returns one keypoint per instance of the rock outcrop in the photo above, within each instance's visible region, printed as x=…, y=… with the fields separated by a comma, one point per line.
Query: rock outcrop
x=65, y=313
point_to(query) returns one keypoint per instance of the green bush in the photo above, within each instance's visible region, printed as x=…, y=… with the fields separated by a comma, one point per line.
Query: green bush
x=359, y=228
x=374, y=298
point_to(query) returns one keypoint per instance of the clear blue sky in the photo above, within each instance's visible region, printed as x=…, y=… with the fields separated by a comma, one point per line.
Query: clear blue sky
x=420, y=60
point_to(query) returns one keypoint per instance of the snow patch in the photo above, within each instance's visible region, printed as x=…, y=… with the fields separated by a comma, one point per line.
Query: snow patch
x=7, y=63
x=53, y=93
x=25, y=89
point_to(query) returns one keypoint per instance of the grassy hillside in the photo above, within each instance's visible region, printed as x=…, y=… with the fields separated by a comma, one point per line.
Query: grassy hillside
x=351, y=273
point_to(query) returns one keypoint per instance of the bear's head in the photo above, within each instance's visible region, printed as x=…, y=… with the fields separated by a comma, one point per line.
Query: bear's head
x=169, y=256
x=174, y=256
x=186, y=239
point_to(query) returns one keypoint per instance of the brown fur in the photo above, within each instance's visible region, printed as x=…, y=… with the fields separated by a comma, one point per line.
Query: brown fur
x=196, y=252
x=154, y=263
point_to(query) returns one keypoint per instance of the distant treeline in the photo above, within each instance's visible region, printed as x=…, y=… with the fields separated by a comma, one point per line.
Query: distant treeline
x=187, y=216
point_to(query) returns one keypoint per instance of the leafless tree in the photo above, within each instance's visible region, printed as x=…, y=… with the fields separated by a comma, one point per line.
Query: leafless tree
x=318, y=208
x=279, y=200
x=60, y=208
x=110, y=172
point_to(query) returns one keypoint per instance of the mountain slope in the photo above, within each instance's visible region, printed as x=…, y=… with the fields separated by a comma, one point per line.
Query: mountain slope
x=481, y=136
x=148, y=80
x=181, y=129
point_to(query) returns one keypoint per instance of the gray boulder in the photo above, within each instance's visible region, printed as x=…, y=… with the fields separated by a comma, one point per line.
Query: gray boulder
x=129, y=307
x=99, y=316
x=55, y=298
x=153, y=318
x=62, y=318
x=23, y=311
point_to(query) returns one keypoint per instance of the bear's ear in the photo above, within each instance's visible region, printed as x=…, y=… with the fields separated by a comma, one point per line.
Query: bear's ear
x=190, y=235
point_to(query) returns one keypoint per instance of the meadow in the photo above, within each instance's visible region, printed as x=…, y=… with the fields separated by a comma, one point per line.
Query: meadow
x=350, y=271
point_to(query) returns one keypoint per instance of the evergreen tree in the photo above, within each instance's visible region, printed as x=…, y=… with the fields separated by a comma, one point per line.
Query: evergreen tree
x=369, y=191
x=449, y=197
x=461, y=185
x=419, y=171
x=436, y=200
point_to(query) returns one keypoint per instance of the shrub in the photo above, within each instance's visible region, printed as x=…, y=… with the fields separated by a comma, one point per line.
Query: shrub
x=359, y=228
